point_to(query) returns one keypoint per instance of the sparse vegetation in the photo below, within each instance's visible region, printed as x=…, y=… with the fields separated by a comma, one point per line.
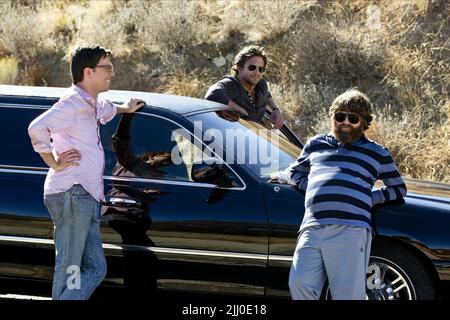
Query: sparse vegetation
x=8, y=70
x=398, y=52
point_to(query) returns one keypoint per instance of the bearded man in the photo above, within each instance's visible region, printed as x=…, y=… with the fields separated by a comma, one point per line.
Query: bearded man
x=338, y=171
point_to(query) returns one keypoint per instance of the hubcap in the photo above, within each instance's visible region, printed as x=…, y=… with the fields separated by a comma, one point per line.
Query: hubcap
x=386, y=281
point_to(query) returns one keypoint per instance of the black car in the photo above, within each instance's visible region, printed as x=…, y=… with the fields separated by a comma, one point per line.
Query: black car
x=191, y=206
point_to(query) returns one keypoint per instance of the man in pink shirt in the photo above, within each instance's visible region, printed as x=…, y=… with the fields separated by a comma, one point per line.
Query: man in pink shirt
x=67, y=138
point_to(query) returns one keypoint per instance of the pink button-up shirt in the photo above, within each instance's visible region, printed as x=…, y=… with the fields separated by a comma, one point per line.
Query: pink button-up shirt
x=72, y=123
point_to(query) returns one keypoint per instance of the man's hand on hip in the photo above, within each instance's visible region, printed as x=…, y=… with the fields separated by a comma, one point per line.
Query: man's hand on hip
x=67, y=159
x=63, y=160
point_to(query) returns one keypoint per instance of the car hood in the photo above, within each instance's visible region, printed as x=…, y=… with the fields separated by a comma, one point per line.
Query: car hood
x=428, y=191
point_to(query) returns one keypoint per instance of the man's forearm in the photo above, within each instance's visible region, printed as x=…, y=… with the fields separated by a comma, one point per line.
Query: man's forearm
x=300, y=179
x=299, y=171
x=394, y=188
x=121, y=109
x=237, y=107
x=272, y=105
x=389, y=193
x=49, y=159
x=65, y=159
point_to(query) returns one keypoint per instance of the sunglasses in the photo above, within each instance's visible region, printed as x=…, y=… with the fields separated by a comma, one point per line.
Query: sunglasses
x=353, y=118
x=252, y=67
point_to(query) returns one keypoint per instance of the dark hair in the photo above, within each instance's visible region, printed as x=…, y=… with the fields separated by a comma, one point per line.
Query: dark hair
x=246, y=53
x=86, y=57
x=355, y=101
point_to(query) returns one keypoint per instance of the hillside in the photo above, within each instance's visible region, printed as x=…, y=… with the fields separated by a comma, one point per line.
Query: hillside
x=397, y=51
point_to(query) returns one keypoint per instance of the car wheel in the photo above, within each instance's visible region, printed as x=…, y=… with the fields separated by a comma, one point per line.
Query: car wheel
x=395, y=273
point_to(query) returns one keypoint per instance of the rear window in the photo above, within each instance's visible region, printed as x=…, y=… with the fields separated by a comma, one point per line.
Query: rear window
x=16, y=144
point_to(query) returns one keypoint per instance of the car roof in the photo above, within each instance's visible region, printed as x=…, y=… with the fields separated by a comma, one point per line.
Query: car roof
x=177, y=104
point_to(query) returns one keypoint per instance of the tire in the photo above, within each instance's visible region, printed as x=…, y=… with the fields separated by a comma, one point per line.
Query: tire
x=395, y=273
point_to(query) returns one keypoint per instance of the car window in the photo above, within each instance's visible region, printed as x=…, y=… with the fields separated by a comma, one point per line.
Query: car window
x=262, y=150
x=138, y=145
x=266, y=123
x=16, y=146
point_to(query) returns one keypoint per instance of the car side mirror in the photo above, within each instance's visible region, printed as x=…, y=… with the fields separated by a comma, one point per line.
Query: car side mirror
x=214, y=173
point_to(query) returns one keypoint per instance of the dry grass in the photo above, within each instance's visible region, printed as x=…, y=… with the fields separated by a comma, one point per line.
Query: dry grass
x=8, y=70
x=23, y=40
x=420, y=154
x=398, y=52
x=184, y=84
x=260, y=20
x=171, y=29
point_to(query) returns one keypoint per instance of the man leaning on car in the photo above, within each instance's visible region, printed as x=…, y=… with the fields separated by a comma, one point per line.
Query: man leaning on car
x=246, y=91
x=337, y=171
x=67, y=138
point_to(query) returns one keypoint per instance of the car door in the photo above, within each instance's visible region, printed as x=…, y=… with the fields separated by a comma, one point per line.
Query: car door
x=166, y=226
x=26, y=247
x=285, y=207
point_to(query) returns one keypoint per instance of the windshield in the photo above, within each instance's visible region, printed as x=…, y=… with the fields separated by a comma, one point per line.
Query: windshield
x=261, y=150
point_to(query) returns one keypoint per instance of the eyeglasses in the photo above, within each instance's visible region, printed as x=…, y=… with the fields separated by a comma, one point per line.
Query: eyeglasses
x=108, y=67
x=252, y=67
x=353, y=118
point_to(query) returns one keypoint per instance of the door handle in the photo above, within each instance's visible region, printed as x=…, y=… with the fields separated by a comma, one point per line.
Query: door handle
x=122, y=202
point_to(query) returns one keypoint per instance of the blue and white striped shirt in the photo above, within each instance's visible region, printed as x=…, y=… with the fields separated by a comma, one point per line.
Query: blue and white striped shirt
x=338, y=180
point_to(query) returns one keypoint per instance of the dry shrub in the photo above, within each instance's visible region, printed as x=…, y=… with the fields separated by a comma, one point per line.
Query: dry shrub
x=305, y=106
x=101, y=24
x=418, y=81
x=21, y=37
x=136, y=71
x=260, y=20
x=405, y=75
x=25, y=39
x=8, y=70
x=64, y=26
x=172, y=28
x=323, y=53
x=420, y=154
x=185, y=84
